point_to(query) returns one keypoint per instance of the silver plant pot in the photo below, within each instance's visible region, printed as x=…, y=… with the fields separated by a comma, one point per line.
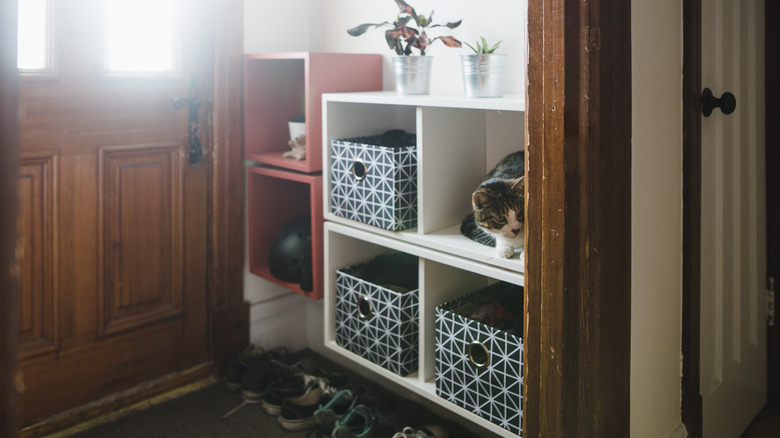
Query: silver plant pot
x=483, y=75
x=412, y=74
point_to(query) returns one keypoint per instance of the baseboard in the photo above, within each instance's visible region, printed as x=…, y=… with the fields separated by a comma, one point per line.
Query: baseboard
x=680, y=432
x=112, y=403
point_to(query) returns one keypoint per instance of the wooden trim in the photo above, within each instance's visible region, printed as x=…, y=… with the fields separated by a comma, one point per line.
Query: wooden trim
x=117, y=401
x=9, y=281
x=229, y=315
x=773, y=185
x=691, y=408
x=578, y=284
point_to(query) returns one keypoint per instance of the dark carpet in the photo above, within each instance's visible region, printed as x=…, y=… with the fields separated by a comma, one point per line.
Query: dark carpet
x=195, y=415
x=198, y=414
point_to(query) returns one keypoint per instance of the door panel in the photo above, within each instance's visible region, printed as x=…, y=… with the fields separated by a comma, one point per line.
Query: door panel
x=733, y=227
x=37, y=230
x=114, y=218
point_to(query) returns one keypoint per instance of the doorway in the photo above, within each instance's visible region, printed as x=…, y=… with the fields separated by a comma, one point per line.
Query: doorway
x=125, y=171
x=692, y=389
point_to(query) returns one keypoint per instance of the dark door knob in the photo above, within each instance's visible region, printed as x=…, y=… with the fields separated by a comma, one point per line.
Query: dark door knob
x=727, y=102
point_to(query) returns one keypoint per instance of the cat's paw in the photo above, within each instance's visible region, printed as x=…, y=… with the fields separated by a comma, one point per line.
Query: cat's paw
x=505, y=251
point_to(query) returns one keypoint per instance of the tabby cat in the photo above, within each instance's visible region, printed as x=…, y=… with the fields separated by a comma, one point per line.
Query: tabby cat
x=498, y=215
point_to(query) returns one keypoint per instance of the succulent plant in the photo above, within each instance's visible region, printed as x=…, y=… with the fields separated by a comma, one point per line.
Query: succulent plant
x=482, y=47
x=402, y=38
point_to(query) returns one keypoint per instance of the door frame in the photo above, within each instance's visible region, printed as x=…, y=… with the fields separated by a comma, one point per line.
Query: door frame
x=9, y=335
x=772, y=12
x=578, y=234
x=691, y=404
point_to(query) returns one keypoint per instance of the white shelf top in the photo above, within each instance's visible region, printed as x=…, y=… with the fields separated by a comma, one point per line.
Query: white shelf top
x=506, y=103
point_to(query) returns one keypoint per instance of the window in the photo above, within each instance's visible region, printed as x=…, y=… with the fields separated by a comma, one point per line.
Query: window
x=34, y=36
x=142, y=37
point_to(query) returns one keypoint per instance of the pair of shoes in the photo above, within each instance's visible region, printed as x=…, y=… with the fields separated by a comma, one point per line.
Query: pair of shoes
x=260, y=374
x=294, y=380
x=430, y=431
x=297, y=413
x=238, y=367
x=326, y=416
x=365, y=421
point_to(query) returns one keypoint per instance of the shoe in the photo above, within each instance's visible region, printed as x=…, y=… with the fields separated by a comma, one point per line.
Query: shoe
x=365, y=421
x=294, y=380
x=431, y=431
x=326, y=416
x=297, y=413
x=260, y=374
x=238, y=367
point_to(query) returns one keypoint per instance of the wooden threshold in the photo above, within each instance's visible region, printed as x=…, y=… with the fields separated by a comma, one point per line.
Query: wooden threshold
x=118, y=401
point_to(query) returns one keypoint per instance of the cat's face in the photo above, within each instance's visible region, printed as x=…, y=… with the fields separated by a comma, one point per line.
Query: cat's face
x=499, y=207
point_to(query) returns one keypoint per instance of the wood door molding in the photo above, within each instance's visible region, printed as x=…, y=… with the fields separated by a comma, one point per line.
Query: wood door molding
x=142, y=276
x=691, y=403
x=38, y=224
x=229, y=312
x=578, y=285
x=9, y=277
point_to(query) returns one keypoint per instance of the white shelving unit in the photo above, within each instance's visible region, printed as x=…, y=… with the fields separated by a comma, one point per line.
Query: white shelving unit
x=458, y=141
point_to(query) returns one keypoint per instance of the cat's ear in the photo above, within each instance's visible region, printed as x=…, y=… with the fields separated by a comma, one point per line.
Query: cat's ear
x=518, y=185
x=479, y=199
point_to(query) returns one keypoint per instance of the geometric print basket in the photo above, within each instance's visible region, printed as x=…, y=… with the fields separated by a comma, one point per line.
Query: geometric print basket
x=374, y=180
x=478, y=367
x=377, y=323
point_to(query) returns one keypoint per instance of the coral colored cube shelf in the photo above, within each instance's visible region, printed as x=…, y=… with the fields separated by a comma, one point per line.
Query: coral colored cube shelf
x=280, y=86
x=275, y=198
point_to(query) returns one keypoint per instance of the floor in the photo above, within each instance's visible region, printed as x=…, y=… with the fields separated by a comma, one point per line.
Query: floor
x=767, y=425
x=199, y=411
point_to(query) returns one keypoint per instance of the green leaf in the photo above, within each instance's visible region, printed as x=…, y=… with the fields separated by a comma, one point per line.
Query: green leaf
x=360, y=30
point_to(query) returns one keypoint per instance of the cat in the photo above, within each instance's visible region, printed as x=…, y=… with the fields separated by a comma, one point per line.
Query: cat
x=498, y=207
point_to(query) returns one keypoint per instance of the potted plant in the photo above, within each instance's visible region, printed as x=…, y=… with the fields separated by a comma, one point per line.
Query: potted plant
x=483, y=70
x=412, y=73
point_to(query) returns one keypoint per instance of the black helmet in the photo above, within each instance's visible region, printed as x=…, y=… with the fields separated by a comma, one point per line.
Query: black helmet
x=290, y=257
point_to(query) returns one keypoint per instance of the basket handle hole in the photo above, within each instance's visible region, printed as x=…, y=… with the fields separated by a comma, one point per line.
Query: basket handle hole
x=364, y=308
x=359, y=170
x=478, y=354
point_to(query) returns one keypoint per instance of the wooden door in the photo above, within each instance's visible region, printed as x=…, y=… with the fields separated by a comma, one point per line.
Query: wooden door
x=112, y=211
x=733, y=220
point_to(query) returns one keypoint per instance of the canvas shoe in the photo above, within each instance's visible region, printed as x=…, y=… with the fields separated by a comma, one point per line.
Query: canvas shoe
x=326, y=416
x=260, y=374
x=430, y=431
x=365, y=421
x=238, y=367
x=297, y=413
x=294, y=380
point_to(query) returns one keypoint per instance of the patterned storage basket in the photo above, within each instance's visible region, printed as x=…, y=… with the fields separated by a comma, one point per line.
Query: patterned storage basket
x=479, y=367
x=374, y=180
x=377, y=322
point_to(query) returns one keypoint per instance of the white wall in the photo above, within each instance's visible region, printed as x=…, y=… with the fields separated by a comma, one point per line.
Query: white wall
x=320, y=25
x=656, y=225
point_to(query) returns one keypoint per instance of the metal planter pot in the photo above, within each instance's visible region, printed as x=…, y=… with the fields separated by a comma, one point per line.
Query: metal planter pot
x=412, y=74
x=483, y=75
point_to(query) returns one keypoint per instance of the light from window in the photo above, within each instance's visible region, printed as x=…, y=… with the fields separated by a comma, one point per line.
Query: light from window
x=141, y=36
x=33, y=35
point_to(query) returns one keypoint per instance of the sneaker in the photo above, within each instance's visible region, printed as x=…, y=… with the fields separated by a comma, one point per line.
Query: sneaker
x=294, y=380
x=238, y=367
x=431, y=431
x=365, y=422
x=326, y=416
x=297, y=413
x=260, y=374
